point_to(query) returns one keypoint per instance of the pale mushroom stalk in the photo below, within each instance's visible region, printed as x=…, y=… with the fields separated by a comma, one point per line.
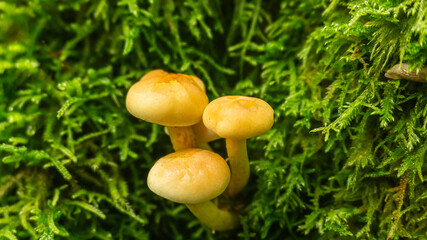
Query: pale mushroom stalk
x=182, y=137
x=213, y=217
x=239, y=164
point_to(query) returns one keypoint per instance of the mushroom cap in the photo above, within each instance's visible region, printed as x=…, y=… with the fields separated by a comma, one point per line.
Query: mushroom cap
x=189, y=176
x=168, y=99
x=238, y=117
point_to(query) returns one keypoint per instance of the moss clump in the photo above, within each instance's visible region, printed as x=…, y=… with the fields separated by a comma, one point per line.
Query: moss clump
x=345, y=158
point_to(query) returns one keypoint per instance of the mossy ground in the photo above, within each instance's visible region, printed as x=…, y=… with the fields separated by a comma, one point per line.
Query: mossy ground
x=344, y=160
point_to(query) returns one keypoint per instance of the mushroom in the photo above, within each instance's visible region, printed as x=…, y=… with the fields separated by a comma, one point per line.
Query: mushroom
x=236, y=119
x=193, y=177
x=173, y=100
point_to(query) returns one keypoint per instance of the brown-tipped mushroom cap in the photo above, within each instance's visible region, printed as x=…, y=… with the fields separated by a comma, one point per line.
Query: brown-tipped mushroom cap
x=189, y=176
x=168, y=99
x=238, y=117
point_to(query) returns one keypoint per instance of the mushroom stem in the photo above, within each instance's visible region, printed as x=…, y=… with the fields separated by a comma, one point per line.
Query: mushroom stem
x=217, y=219
x=239, y=165
x=182, y=137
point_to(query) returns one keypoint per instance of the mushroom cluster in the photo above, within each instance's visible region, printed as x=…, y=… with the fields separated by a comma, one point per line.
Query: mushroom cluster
x=194, y=175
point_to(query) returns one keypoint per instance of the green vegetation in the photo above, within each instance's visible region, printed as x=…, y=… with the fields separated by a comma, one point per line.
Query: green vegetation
x=344, y=160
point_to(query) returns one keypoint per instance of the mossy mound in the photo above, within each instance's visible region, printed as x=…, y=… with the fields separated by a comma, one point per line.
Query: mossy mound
x=345, y=158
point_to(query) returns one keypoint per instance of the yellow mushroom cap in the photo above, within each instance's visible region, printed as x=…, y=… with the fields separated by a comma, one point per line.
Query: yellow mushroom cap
x=189, y=176
x=168, y=99
x=238, y=117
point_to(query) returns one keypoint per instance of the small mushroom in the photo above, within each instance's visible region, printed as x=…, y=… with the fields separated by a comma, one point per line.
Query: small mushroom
x=173, y=100
x=194, y=177
x=236, y=119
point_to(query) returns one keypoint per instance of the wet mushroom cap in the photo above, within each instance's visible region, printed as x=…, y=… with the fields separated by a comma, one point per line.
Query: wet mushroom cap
x=189, y=176
x=238, y=117
x=168, y=99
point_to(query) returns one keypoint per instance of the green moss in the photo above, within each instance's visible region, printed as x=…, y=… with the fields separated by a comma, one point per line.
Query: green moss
x=344, y=160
